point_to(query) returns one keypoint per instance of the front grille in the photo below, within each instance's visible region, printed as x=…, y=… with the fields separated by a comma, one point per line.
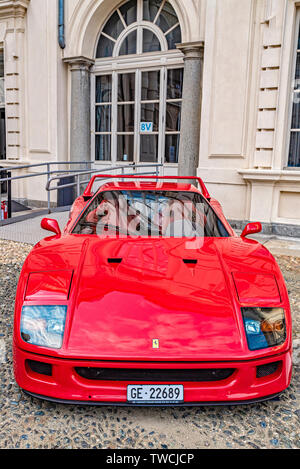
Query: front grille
x=266, y=370
x=155, y=376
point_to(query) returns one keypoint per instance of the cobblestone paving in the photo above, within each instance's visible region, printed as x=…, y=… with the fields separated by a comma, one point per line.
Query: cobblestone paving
x=29, y=423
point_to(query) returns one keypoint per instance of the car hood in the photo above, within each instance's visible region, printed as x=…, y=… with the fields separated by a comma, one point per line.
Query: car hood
x=129, y=295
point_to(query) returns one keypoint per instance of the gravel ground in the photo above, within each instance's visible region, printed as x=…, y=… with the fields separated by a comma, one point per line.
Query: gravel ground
x=30, y=423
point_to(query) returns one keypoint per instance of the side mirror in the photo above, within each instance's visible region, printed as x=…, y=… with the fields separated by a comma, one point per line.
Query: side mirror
x=251, y=228
x=50, y=225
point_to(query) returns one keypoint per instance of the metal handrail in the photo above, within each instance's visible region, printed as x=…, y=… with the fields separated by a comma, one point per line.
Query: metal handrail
x=79, y=183
x=113, y=168
x=75, y=173
x=47, y=163
x=48, y=173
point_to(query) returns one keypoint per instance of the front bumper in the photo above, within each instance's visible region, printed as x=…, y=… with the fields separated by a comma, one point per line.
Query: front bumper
x=66, y=386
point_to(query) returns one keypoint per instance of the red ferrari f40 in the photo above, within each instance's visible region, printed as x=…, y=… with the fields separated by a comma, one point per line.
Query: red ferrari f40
x=148, y=297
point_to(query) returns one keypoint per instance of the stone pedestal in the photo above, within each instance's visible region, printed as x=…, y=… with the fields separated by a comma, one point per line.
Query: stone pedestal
x=80, y=132
x=191, y=108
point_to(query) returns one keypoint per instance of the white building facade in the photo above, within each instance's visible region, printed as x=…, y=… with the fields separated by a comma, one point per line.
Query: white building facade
x=207, y=87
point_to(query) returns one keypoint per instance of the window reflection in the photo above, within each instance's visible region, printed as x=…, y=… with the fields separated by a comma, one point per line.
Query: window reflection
x=103, y=118
x=129, y=12
x=126, y=87
x=103, y=88
x=175, y=81
x=105, y=47
x=114, y=26
x=150, y=85
x=167, y=18
x=173, y=116
x=125, y=151
x=126, y=117
x=150, y=9
x=150, y=41
x=150, y=213
x=129, y=44
x=294, y=150
x=149, y=148
x=103, y=143
x=172, y=148
x=174, y=37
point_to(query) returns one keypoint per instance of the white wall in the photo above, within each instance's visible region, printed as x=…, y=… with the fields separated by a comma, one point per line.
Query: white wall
x=249, y=52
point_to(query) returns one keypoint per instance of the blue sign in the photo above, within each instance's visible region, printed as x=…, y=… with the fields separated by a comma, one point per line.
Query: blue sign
x=146, y=127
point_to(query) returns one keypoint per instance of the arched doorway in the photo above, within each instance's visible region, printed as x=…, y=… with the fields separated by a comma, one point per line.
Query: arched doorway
x=136, y=90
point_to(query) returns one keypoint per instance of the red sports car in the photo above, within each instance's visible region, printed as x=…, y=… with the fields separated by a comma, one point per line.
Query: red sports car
x=148, y=297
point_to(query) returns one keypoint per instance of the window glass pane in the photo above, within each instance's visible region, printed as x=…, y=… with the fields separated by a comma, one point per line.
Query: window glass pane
x=150, y=9
x=150, y=85
x=103, y=118
x=173, y=116
x=103, y=89
x=1, y=64
x=149, y=149
x=297, y=74
x=126, y=87
x=174, y=37
x=298, y=47
x=114, y=26
x=172, y=148
x=294, y=153
x=129, y=44
x=175, y=82
x=128, y=11
x=296, y=112
x=150, y=113
x=2, y=93
x=147, y=213
x=103, y=148
x=2, y=141
x=167, y=18
x=105, y=47
x=150, y=41
x=125, y=148
x=126, y=118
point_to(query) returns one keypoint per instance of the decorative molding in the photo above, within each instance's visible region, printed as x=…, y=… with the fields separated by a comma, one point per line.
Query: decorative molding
x=192, y=50
x=88, y=17
x=79, y=63
x=271, y=176
x=13, y=8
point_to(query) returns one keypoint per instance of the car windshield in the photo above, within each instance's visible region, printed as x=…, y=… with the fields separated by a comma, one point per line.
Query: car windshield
x=150, y=214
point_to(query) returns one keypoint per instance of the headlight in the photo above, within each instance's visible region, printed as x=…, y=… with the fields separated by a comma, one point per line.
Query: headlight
x=265, y=327
x=43, y=325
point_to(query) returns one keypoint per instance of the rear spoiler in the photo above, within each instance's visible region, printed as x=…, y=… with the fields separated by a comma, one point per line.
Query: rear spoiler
x=88, y=191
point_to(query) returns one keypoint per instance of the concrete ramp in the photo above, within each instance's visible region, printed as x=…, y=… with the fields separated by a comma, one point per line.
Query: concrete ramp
x=29, y=231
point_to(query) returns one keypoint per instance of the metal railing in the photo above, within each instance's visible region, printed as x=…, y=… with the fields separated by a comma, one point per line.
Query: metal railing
x=8, y=178
x=78, y=183
x=58, y=175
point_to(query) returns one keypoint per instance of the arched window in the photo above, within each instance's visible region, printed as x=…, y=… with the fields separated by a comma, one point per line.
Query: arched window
x=138, y=76
x=139, y=27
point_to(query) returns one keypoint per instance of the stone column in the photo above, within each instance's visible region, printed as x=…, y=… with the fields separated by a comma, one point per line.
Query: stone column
x=80, y=132
x=191, y=108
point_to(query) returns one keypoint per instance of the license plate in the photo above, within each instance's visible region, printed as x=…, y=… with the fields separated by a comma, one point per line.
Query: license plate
x=162, y=394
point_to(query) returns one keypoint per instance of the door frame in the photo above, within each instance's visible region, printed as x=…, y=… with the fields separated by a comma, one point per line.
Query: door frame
x=134, y=64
